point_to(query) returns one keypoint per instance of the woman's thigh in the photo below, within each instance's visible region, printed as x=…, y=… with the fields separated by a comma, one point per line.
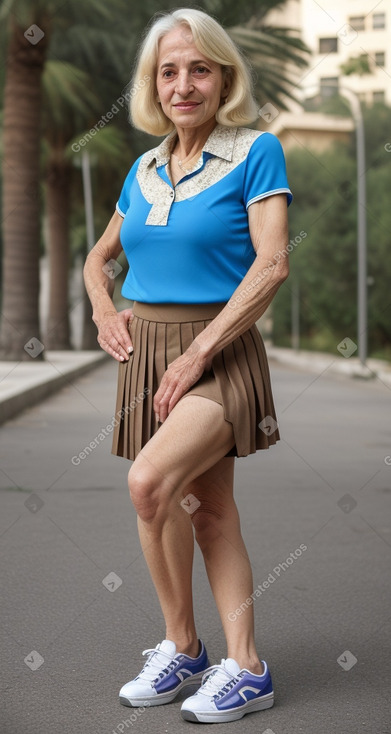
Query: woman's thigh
x=192, y=440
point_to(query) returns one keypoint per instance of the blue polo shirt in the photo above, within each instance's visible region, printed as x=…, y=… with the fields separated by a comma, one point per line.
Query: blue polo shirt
x=191, y=243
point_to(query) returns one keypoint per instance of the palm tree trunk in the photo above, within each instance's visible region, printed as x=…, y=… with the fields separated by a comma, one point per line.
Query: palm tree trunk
x=58, y=193
x=21, y=196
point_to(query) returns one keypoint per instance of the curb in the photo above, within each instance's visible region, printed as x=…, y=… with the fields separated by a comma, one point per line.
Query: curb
x=24, y=384
x=323, y=361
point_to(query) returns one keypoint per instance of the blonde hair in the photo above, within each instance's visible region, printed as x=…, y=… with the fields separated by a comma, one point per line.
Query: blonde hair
x=213, y=41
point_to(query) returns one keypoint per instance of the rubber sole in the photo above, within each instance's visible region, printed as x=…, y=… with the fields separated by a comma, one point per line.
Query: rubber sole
x=219, y=717
x=161, y=698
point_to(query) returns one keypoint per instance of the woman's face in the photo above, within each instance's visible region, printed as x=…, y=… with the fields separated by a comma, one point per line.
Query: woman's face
x=189, y=85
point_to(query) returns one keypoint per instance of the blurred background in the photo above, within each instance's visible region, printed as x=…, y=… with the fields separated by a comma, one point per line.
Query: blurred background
x=67, y=145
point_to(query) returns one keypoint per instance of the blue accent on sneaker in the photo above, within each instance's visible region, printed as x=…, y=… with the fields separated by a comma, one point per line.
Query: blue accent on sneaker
x=164, y=674
x=228, y=693
x=245, y=687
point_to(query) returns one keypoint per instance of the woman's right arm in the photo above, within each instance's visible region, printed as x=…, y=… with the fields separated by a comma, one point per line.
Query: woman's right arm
x=113, y=334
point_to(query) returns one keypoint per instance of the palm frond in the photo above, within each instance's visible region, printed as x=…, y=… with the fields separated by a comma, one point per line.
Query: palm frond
x=62, y=12
x=271, y=43
x=109, y=145
x=99, y=50
x=66, y=87
x=275, y=54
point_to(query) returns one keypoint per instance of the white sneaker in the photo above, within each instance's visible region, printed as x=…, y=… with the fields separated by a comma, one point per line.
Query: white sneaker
x=164, y=674
x=228, y=693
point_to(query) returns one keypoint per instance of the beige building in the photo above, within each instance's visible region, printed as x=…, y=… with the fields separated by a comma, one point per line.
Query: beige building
x=311, y=130
x=337, y=31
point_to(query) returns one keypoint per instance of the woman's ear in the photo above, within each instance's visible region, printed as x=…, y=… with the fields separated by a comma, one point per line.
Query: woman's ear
x=227, y=84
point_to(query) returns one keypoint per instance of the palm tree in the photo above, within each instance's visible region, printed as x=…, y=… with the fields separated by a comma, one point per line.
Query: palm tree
x=74, y=34
x=21, y=192
x=83, y=70
x=67, y=104
x=26, y=30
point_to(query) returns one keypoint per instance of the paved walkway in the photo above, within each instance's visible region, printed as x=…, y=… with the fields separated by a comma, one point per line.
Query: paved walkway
x=78, y=607
x=343, y=363
x=23, y=384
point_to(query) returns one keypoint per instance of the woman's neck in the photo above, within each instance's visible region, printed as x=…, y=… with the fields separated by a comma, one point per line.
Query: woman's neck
x=190, y=141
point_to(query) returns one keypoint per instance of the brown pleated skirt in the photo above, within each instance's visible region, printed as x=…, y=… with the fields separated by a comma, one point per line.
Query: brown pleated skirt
x=239, y=378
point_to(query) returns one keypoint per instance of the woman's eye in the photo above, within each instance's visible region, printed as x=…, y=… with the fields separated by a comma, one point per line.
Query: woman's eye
x=201, y=69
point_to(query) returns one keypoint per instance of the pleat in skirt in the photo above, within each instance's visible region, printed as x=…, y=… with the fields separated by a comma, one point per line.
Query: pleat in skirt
x=239, y=378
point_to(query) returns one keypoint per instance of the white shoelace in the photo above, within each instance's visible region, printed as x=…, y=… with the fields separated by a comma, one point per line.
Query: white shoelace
x=153, y=667
x=215, y=677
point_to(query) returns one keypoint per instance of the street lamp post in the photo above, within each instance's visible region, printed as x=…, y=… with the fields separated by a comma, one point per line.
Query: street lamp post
x=89, y=330
x=362, y=284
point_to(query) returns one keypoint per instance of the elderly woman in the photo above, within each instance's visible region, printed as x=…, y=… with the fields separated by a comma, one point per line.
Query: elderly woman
x=202, y=219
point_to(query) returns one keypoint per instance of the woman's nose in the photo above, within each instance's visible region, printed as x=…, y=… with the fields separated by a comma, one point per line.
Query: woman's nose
x=184, y=84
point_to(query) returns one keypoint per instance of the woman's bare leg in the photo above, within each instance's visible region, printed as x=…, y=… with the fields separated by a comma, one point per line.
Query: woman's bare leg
x=217, y=525
x=185, y=465
x=193, y=438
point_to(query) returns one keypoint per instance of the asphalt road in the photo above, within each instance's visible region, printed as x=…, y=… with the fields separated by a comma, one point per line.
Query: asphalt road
x=78, y=607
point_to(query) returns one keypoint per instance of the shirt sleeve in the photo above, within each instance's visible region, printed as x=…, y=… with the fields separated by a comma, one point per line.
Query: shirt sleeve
x=265, y=170
x=123, y=202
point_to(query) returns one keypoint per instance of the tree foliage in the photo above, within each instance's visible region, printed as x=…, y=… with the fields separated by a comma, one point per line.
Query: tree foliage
x=324, y=263
x=86, y=54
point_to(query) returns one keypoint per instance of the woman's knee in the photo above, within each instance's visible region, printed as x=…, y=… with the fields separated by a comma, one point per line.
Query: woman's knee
x=144, y=492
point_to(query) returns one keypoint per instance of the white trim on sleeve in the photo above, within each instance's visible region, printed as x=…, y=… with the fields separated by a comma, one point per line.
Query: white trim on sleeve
x=119, y=211
x=266, y=194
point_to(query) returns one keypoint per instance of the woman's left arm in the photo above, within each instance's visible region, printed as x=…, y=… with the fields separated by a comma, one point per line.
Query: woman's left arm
x=268, y=224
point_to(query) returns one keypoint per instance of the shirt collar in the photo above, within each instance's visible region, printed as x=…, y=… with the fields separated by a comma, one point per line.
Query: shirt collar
x=220, y=143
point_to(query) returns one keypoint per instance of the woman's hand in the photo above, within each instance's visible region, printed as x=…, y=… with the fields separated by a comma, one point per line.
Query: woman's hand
x=113, y=334
x=178, y=378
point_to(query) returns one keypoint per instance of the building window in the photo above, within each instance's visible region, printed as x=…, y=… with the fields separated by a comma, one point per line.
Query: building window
x=380, y=58
x=378, y=21
x=328, y=86
x=357, y=22
x=328, y=45
x=378, y=96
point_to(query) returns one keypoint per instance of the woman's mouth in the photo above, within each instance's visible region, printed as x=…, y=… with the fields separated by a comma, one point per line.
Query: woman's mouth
x=186, y=106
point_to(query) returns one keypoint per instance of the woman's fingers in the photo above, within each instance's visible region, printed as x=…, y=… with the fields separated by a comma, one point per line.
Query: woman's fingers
x=125, y=318
x=113, y=335
x=177, y=379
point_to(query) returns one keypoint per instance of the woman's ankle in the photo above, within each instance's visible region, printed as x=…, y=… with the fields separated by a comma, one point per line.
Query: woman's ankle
x=251, y=663
x=187, y=646
x=193, y=650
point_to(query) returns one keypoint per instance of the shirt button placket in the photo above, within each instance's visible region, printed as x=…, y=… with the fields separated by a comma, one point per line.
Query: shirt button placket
x=171, y=199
